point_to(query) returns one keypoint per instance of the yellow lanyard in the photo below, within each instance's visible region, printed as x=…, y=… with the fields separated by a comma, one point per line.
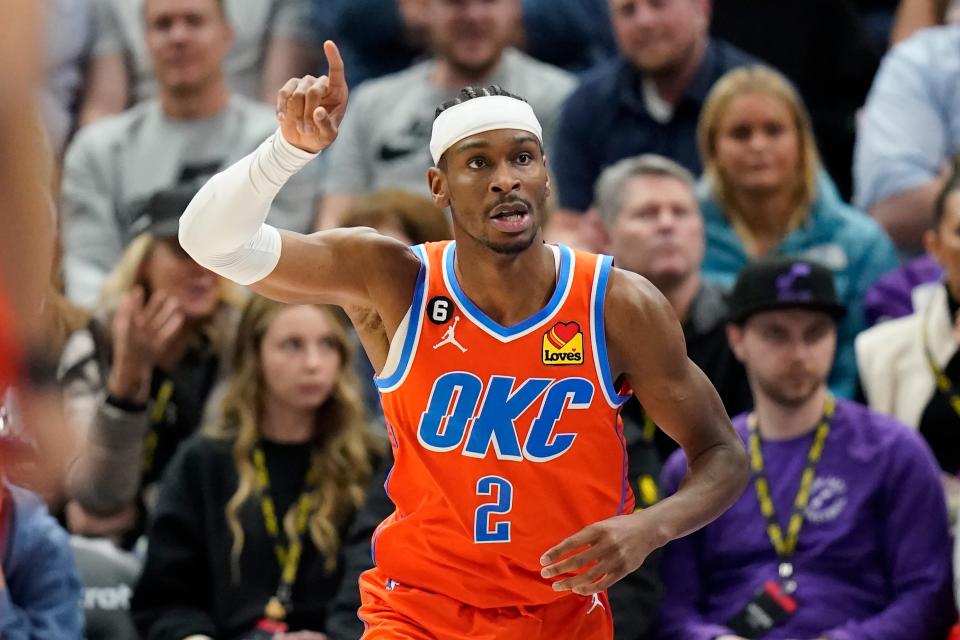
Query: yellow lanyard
x=288, y=557
x=157, y=414
x=944, y=385
x=787, y=546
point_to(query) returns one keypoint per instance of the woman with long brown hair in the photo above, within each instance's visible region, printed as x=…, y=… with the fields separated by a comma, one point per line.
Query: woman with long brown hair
x=247, y=533
x=766, y=194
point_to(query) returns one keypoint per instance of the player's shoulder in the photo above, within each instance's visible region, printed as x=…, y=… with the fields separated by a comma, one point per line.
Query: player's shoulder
x=369, y=249
x=632, y=292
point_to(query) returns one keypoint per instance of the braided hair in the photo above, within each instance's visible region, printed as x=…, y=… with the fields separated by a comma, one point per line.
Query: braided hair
x=469, y=93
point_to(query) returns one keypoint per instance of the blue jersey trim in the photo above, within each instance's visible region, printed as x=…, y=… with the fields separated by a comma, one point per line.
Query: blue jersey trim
x=413, y=328
x=564, y=280
x=599, y=330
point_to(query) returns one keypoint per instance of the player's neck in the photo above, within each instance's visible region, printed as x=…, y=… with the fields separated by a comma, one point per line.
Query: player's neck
x=781, y=422
x=284, y=424
x=193, y=105
x=509, y=289
x=681, y=294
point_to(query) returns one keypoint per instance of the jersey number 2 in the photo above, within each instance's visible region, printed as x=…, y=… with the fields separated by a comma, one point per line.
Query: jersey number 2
x=500, y=531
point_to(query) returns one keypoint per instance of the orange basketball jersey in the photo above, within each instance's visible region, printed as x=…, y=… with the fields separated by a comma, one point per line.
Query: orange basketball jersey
x=506, y=439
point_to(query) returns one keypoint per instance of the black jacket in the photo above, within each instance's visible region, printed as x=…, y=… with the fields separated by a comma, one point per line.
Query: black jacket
x=187, y=586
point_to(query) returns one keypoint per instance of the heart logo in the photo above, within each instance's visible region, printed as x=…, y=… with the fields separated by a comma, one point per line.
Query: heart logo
x=566, y=331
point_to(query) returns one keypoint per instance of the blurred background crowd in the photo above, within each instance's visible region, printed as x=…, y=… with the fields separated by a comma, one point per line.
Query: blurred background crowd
x=173, y=441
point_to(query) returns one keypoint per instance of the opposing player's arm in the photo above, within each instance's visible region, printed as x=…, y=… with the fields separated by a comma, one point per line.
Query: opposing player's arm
x=646, y=346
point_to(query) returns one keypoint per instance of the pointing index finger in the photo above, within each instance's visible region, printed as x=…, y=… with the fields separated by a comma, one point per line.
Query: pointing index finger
x=334, y=64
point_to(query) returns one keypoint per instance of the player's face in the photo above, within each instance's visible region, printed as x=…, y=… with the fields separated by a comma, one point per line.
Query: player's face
x=658, y=232
x=944, y=243
x=169, y=269
x=187, y=41
x=757, y=147
x=300, y=358
x=659, y=36
x=496, y=186
x=471, y=34
x=787, y=353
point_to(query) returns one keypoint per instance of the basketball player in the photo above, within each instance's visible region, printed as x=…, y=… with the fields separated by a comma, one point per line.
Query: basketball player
x=514, y=514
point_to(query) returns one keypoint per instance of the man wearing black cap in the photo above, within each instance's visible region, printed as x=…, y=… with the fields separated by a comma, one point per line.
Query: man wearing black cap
x=843, y=534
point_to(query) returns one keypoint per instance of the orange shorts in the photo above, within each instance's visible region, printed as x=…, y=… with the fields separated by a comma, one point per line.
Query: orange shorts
x=391, y=611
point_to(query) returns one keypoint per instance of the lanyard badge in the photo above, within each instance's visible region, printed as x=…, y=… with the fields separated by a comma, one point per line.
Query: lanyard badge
x=773, y=603
x=288, y=556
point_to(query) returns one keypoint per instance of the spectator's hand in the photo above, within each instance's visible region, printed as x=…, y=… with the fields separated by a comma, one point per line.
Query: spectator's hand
x=608, y=550
x=300, y=635
x=82, y=522
x=142, y=333
x=310, y=109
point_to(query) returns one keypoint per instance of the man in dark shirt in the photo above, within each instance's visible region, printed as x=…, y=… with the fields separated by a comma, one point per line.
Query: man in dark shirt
x=647, y=100
x=654, y=227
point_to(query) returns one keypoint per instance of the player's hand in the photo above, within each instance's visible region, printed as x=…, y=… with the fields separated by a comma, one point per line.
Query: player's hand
x=608, y=550
x=310, y=109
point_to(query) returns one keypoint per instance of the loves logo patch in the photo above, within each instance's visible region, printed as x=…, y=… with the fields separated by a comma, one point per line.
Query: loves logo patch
x=563, y=344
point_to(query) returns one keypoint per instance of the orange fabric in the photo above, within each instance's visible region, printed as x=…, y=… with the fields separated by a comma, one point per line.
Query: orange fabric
x=475, y=512
x=392, y=611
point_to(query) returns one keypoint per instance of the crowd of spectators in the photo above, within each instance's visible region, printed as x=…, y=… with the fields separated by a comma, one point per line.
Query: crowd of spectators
x=219, y=455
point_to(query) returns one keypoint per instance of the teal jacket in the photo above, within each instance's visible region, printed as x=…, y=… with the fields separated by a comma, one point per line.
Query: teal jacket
x=836, y=235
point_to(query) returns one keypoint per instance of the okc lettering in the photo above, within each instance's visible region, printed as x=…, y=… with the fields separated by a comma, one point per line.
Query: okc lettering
x=462, y=407
x=562, y=357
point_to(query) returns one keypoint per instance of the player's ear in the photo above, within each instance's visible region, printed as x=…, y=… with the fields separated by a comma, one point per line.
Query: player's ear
x=437, y=180
x=549, y=185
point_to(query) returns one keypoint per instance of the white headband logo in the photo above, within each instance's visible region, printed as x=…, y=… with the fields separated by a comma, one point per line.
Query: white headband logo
x=478, y=115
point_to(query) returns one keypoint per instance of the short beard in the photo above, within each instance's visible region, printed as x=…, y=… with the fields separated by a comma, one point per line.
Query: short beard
x=512, y=248
x=508, y=249
x=773, y=391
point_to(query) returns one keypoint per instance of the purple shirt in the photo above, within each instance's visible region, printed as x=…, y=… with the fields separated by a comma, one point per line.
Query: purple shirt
x=891, y=296
x=873, y=558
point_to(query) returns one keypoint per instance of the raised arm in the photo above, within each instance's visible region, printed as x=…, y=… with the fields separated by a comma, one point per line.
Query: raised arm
x=646, y=346
x=224, y=227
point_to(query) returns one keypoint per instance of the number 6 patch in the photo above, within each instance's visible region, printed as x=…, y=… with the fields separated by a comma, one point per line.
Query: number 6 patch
x=440, y=309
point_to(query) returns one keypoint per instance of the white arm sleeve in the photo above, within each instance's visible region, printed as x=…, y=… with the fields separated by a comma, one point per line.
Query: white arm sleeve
x=223, y=227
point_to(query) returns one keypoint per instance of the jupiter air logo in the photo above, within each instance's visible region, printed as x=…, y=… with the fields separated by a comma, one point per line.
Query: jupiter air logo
x=563, y=344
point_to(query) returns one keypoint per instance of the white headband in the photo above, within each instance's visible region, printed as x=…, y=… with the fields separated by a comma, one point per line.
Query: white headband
x=481, y=114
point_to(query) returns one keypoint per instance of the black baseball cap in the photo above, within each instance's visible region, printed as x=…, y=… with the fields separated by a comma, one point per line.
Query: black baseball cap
x=783, y=283
x=160, y=213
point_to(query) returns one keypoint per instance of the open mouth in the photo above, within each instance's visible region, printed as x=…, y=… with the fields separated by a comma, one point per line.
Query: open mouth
x=511, y=217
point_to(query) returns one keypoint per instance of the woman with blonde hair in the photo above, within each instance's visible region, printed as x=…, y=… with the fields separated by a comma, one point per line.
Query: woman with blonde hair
x=765, y=193
x=246, y=537
x=137, y=378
